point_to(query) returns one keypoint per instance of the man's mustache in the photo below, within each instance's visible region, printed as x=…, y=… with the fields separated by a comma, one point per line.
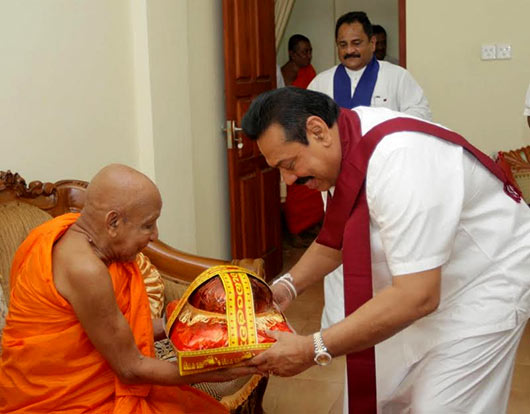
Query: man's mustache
x=303, y=180
x=351, y=55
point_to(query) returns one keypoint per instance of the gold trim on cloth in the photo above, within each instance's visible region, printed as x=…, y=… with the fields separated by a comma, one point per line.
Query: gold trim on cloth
x=153, y=285
x=241, y=323
x=191, y=315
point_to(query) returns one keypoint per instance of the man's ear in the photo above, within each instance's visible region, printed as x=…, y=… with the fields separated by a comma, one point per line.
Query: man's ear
x=112, y=221
x=317, y=130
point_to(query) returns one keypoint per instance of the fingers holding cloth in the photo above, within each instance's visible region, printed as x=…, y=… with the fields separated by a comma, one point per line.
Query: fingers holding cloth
x=290, y=355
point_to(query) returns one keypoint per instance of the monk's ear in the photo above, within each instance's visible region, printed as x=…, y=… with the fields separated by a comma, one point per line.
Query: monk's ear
x=317, y=130
x=112, y=221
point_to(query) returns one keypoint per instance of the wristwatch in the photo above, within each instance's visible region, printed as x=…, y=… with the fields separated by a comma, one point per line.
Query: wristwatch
x=322, y=356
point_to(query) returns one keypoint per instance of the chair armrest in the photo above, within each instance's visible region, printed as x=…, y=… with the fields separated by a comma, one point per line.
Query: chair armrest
x=254, y=265
x=176, y=264
x=184, y=267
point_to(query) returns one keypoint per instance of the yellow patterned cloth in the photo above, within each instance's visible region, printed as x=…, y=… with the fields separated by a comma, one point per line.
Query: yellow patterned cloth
x=153, y=285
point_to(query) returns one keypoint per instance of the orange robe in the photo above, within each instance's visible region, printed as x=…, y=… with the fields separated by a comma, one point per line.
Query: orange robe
x=304, y=77
x=48, y=363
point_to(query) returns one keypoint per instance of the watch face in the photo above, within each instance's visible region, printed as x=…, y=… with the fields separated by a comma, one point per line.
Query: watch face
x=323, y=358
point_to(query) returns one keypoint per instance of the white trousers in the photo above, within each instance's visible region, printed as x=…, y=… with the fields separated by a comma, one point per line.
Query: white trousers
x=468, y=376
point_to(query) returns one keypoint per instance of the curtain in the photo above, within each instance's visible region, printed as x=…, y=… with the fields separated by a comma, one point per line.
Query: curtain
x=282, y=10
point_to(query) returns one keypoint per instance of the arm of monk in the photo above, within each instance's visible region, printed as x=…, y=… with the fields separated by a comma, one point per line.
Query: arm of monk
x=409, y=298
x=316, y=262
x=86, y=284
x=159, y=331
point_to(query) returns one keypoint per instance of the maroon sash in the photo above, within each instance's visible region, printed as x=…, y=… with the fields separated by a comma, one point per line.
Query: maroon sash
x=346, y=227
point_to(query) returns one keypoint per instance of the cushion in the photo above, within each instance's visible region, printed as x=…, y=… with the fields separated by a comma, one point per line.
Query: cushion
x=17, y=219
x=173, y=289
x=232, y=394
x=153, y=284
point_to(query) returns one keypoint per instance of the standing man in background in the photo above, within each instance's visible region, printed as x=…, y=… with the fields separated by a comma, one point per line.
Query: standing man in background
x=361, y=80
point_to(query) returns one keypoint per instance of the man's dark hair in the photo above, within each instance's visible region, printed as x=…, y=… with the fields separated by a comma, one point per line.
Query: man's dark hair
x=289, y=107
x=294, y=40
x=353, y=17
x=377, y=28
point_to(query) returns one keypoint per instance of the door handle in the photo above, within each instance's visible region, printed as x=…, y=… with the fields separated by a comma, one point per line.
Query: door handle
x=231, y=131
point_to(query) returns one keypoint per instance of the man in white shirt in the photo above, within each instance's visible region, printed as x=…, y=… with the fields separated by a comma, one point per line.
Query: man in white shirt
x=435, y=242
x=393, y=88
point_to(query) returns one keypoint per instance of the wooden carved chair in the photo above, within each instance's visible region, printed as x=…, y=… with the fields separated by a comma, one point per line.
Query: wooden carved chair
x=167, y=271
x=517, y=163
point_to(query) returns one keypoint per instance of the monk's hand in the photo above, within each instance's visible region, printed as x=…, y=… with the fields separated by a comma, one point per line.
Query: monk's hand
x=290, y=355
x=224, y=374
x=281, y=296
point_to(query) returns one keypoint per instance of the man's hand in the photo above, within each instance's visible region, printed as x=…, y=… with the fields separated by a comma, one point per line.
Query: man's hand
x=290, y=355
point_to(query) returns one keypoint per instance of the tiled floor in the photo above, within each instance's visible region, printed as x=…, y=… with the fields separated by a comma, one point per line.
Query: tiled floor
x=319, y=389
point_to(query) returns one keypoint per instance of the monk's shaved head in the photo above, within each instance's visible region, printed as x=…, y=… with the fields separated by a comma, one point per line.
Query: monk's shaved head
x=120, y=214
x=120, y=188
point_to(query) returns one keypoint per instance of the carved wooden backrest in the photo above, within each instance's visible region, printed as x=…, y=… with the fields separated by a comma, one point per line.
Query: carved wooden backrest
x=55, y=198
x=519, y=159
x=517, y=163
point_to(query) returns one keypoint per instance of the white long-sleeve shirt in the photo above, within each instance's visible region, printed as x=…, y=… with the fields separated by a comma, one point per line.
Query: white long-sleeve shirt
x=395, y=89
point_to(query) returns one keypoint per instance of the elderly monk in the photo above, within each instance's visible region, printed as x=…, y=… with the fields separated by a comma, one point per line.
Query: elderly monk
x=79, y=335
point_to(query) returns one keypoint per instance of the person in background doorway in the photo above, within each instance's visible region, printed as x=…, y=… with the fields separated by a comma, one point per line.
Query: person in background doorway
x=380, y=44
x=298, y=71
x=303, y=209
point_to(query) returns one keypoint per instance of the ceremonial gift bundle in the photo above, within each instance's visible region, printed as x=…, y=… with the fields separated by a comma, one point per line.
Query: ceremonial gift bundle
x=221, y=319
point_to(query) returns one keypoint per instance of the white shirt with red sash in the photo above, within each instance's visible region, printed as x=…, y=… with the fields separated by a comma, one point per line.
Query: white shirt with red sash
x=432, y=204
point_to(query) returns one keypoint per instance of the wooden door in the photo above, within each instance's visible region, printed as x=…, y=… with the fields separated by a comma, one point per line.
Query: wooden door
x=250, y=69
x=402, y=16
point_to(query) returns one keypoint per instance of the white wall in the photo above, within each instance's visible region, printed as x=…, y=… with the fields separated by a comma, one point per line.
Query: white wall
x=89, y=82
x=170, y=94
x=483, y=100
x=66, y=88
x=207, y=107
